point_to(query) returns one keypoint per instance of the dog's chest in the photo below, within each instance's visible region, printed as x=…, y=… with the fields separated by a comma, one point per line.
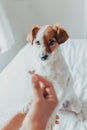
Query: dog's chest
x=56, y=72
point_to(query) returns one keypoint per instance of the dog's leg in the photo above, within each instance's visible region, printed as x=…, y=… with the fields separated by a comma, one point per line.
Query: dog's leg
x=83, y=114
x=71, y=102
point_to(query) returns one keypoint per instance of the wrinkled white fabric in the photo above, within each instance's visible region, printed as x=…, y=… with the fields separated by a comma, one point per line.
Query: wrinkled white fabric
x=15, y=83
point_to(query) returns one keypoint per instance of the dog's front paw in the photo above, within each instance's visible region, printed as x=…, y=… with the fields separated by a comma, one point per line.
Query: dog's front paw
x=81, y=116
x=27, y=106
x=66, y=106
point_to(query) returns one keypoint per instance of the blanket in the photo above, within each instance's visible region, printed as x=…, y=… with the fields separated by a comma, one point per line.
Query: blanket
x=15, y=83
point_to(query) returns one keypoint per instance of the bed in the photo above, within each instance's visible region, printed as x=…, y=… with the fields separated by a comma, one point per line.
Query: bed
x=15, y=83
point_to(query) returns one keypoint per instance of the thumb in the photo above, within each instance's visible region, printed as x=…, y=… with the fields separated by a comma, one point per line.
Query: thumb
x=36, y=87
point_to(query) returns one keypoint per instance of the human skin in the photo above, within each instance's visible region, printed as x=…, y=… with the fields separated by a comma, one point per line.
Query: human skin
x=43, y=105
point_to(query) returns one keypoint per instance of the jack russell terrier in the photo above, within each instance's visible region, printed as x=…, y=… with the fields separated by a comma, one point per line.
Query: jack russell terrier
x=46, y=41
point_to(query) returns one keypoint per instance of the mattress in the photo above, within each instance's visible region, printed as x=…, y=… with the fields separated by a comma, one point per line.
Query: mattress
x=15, y=83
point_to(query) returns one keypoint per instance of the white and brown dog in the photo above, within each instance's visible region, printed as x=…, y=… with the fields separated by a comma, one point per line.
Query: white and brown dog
x=46, y=41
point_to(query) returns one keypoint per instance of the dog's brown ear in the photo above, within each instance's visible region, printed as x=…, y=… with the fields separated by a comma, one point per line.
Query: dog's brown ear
x=61, y=34
x=32, y=35
x=29, y=37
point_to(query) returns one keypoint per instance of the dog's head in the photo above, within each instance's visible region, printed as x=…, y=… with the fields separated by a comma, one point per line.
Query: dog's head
x=47, y=39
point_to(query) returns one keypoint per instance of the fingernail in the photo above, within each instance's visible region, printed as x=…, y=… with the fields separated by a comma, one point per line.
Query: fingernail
x=56, y=122
x=57, y=117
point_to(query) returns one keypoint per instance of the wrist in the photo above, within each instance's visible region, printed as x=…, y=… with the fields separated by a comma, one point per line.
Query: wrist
x=37, y=125
x=34, y=123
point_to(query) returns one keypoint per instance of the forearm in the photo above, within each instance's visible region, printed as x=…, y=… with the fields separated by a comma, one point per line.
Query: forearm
x=34, y=122
x=15, y=123
x=33, y=126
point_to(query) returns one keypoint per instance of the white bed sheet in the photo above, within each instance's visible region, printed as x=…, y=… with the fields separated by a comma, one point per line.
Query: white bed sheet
x=15, y=83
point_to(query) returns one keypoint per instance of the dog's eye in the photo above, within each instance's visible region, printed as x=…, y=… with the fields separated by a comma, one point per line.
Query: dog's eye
x=37, y=42
x=52, y=42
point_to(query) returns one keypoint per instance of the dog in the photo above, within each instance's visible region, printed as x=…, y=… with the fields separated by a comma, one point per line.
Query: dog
x=46, y=41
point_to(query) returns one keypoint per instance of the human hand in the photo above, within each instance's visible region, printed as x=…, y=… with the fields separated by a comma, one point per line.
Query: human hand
x=44, y=103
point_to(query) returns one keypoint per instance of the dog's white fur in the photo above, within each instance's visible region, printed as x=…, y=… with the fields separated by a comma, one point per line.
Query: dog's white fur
x=55, y=69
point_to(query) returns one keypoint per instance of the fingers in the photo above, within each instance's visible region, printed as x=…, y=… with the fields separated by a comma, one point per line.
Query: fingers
x=39, y=87
x=36, y=87
x=44, y=81
x=46, y=85
x=57, y=120
x=43, y=88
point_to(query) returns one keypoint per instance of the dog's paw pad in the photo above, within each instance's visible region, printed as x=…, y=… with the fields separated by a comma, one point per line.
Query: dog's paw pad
x=66, y=104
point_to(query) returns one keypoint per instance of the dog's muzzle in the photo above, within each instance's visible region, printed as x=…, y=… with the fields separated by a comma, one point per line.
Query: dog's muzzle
x=44, y=57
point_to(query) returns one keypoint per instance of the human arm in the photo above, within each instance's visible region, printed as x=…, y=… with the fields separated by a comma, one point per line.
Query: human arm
x=44, y=103
x=15, y=122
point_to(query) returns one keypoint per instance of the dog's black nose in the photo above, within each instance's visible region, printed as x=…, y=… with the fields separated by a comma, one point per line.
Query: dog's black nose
x=44, y=57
